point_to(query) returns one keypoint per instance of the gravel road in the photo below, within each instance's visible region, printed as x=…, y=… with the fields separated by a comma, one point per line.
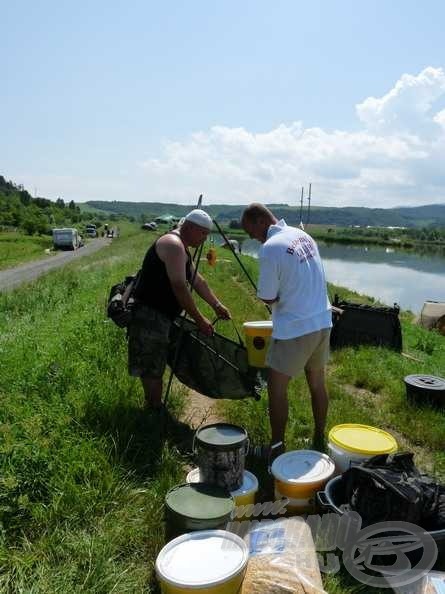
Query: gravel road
x=13, y=277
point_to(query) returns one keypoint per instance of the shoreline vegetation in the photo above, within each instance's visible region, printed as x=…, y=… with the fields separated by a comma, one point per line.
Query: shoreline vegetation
x=364, y=236
x=84, y=469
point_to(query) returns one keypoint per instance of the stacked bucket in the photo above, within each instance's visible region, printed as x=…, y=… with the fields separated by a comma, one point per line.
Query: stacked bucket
x=202, y=555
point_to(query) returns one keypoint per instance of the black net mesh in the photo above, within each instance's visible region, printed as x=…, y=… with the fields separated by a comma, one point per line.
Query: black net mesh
x=214, y=366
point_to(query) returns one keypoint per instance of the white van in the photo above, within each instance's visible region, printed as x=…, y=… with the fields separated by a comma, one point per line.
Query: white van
x=66, y=238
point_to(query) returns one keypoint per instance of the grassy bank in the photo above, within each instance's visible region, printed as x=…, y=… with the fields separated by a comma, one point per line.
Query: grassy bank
x=17, y=248
x=83, y=470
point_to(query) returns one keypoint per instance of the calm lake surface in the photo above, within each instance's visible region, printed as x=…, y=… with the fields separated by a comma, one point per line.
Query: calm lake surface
x=390, y=275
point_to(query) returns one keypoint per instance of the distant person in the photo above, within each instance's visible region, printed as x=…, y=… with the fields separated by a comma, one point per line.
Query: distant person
x=292, y=281
x=162, y=293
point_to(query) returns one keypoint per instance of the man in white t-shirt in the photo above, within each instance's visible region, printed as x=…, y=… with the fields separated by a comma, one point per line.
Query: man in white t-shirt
x=292, y=281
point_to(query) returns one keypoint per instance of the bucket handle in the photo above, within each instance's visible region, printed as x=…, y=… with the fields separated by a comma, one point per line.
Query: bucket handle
x=324, y=501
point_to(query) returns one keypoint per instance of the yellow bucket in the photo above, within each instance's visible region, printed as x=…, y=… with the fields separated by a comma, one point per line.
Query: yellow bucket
x=352, y=442
x=257, y=341
x=245, y=495
x=299, y=475
x=204, y=562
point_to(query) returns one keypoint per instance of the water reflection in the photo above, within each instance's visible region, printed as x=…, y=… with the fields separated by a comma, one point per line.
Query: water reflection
x=406, y=277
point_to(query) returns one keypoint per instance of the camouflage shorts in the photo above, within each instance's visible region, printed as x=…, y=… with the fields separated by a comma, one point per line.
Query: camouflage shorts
x=148, y=336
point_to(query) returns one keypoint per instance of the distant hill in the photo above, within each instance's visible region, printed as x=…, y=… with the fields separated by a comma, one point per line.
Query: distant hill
x=418, y=216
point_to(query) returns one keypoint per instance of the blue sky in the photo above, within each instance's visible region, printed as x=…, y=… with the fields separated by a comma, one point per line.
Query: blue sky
x=240, y=101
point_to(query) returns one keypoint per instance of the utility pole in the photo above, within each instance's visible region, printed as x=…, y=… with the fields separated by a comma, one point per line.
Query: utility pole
x=301, y=207
x=309, y=205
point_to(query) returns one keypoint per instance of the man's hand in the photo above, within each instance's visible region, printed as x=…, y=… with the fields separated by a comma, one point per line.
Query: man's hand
x=205, y=326
x=221, y=311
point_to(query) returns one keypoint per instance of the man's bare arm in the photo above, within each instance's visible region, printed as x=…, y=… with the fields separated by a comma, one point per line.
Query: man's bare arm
x=171, y=252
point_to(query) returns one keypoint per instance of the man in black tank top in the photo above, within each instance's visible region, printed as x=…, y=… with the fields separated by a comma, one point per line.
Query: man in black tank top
x=162, y=294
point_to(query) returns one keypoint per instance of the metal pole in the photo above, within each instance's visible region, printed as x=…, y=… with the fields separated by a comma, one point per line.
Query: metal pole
x=309, y=205
x=221, y=232
x=195, y=259
x=301, y=206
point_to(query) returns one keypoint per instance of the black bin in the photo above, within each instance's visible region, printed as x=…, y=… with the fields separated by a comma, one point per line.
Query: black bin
x=425, y=389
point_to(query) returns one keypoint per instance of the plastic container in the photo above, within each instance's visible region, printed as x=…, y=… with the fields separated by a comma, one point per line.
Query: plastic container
x=220, y=450
x=333, y=498
x=245, y=495
x=195, y=507
x=297, y=506
x=355, y=443
x=431, y=312
x=257, y=341
x=208, y=562
x=425, y=389
x=299, y=475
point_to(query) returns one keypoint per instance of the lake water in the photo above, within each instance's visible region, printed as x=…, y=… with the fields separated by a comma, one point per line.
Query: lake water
x=390, y=275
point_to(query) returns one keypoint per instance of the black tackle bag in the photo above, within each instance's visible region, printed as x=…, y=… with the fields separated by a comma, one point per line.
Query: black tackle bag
x=366, y=325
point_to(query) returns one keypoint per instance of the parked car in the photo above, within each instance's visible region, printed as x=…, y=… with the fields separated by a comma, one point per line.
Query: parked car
x=150, y=226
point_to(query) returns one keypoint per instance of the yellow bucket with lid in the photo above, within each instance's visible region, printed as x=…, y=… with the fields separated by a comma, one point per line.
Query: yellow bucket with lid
x=204, y=562
x=352, y=442
x=257, y=335
x=298, y=475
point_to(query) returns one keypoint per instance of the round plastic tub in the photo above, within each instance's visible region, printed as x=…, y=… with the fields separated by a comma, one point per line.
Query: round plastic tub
x=356, y=443
x=196, y=507
x=257, y=341
x=425, y=389
x=221, y=451
x=245, y=495
x=299, y=475
x=297, y=506
x=205, y=562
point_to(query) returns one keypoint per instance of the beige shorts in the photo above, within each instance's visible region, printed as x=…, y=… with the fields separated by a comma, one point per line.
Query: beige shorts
x=291, y=357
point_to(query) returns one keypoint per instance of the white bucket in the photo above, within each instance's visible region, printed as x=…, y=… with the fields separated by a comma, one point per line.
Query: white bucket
x=213, y=561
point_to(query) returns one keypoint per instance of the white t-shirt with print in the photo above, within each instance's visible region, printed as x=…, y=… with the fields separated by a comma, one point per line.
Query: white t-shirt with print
x=291, y=268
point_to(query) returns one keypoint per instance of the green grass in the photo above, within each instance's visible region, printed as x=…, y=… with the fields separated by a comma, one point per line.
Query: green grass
x=17, y=248
x=84, y=472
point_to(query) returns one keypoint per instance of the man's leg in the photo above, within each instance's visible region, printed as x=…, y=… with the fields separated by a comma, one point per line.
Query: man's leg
x=153, y=391
x=319, y=396
x=278, y=404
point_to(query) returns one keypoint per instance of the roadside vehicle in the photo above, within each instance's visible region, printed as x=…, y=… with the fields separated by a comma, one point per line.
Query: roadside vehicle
x=66, y=238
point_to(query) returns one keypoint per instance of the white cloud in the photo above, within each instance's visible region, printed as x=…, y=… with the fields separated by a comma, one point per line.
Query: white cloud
x=408, y=104
x=396, y=158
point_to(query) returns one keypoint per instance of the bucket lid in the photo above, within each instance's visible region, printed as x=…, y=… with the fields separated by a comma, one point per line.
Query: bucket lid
x=302, y=467
x=221, y=436
x=249, y=484
x=258, y=324
x=200, y=501
x=362, y=439
x=426, y=382
x=202, y=559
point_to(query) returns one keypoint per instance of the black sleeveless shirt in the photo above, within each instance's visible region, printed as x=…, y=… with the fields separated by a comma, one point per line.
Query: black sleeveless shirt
x=154, y=288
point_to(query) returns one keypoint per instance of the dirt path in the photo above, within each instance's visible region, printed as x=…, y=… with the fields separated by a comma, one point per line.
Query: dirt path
x=13, y=277
x=200, y=410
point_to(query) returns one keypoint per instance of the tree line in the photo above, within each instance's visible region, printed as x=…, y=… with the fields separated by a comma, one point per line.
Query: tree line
x=19, y=210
